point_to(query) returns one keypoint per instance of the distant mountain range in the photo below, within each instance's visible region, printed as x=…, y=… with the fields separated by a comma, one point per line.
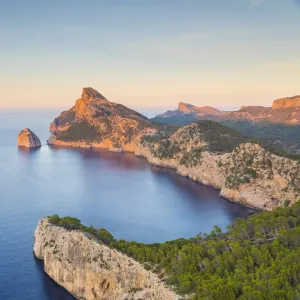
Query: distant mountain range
x=279, y=125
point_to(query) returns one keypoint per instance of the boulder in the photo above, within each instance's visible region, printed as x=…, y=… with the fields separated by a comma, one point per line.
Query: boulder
x=28, y=139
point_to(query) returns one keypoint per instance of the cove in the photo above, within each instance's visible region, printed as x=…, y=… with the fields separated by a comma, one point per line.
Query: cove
x=117, y=191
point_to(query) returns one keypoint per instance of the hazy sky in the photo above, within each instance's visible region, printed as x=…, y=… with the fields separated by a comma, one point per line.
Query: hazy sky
x=149, y=53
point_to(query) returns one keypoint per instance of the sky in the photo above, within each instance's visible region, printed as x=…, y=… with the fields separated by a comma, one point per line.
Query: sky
x=149, y=54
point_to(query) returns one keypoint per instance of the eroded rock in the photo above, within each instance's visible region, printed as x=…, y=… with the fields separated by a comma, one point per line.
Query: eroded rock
x=90, y=270
x=28, y=139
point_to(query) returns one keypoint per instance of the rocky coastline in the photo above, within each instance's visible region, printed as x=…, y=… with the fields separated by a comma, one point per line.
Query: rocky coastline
x=91, y=270
x=205, y=151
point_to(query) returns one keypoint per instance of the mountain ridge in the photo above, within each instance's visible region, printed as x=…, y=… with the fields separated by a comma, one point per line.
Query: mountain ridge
x=244, y=169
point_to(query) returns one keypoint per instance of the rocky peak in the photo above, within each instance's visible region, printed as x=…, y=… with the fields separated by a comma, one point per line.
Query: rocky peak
x=89, y=93
x=185, y=107
x=28, y=139
x=286, y=102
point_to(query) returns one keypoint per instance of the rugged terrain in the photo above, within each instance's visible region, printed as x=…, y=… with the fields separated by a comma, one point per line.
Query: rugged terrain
x=194, y=112
x=221, y=157
x=91, y=270
x=28, y=139
x=278, y=125
x=205, y=151
x=96, y=122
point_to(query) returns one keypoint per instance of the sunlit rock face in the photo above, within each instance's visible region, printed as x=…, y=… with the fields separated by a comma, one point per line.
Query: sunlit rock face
x=28, y=139
x=90, y=270
x=244, y=171
x=287, y=102
x=96, y=122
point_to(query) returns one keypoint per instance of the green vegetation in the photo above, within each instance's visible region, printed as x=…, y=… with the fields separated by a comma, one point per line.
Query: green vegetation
x=71, y=223
x=280, y=136
x=220, y=138
x=257, y=259
x=79, y=131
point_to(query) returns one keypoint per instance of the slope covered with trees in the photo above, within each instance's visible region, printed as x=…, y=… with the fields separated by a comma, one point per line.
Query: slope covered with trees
x=257, y=258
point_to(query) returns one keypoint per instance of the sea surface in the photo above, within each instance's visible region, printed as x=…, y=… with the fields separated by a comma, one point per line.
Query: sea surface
x=119, y=192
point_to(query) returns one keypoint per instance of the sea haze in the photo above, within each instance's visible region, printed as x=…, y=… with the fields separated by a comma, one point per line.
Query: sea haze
x=120, y=192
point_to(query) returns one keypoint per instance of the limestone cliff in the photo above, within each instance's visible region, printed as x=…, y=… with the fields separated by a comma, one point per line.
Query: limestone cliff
x=93, y=271
x=28, y=139
x=225, y=159
x=205, y=151
x=96, y=122
x=286, y=102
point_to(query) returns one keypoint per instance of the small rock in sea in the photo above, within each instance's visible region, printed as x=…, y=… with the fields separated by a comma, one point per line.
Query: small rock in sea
x=28, y=139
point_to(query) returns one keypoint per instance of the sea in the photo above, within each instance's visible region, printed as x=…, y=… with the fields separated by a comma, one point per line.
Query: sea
x=117, y=191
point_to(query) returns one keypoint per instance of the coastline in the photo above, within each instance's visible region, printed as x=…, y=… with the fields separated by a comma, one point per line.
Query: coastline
x=84, y=145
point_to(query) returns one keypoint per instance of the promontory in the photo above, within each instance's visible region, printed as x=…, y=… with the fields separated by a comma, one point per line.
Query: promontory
x=91, y=270
x=245, y=170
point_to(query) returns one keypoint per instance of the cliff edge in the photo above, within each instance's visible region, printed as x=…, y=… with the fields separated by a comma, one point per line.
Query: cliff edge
x=216, y=155
x=90, y=270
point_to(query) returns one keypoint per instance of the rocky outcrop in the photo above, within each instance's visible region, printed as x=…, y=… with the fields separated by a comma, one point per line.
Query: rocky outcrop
x=286, y=102
x=90, y=270
x=204, y=151
x=96, y=122
x=28, y=139
x=247, y=173
x=195, y=112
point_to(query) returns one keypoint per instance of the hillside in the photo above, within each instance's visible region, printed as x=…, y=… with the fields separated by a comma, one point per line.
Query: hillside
x=95, y=121
x=257, y=258
x=243, y=169
x=89, y=269
x=278, y=125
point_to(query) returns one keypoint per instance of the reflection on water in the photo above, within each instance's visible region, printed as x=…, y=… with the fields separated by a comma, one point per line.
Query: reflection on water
x=117, y=191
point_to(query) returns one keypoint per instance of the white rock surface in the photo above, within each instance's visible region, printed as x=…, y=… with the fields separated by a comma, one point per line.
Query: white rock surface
x=91, y=271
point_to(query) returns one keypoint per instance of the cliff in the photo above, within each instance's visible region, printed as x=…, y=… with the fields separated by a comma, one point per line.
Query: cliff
x=205, y=151
x=287, y=102
x=28, y=139
x=96, y=122
x=90, y=270
x=221, y=157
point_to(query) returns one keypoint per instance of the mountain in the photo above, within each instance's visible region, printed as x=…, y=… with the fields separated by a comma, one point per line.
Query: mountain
x=283, y=111
x=196, y=112
x=245, y=170
x=95, y=121
x=278, y=125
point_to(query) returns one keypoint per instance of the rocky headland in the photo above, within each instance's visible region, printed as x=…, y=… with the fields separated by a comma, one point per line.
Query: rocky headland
x=28, y=139
x=96, y=122
x=91, y=270
x=244, y=170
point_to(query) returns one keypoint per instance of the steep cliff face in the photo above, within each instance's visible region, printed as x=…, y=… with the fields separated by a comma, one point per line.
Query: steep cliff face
x=28, y=139
x=218, y=156
x=90, y=270
x=286, y=102
x=96, y=122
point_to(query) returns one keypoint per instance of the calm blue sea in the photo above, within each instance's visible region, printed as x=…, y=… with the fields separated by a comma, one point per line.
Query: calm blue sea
x=120, y=192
